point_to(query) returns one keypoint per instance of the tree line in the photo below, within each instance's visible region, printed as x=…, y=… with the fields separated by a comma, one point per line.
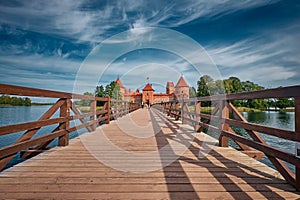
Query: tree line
x=14, y=101
x=112, y=89
x=207, y=86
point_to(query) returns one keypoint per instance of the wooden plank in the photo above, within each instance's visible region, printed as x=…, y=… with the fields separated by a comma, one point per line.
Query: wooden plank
x=72, y=172
x=151, y=195
x=130, y=180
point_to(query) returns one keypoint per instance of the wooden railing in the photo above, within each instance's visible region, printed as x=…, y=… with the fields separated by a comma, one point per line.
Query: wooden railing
x=29, y=145
x=220, y=116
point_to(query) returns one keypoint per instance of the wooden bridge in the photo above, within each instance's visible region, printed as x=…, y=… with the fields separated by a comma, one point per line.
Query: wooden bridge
x=160, y=153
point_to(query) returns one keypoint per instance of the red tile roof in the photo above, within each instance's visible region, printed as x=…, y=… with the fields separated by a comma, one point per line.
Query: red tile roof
x=120, y=83
x=181, y=83
x=148, y=87
x=170, y=84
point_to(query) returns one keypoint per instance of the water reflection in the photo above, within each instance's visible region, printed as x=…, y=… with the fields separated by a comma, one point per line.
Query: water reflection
x=284, y=120
x=256, y=117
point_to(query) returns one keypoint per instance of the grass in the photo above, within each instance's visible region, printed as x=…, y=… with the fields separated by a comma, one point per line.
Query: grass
x=208, y=110
x=287, y=110
x=87, y=108
x=245, y=109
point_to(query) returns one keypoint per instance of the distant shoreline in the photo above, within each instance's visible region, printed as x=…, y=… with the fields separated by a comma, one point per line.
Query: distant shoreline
x=33, y=104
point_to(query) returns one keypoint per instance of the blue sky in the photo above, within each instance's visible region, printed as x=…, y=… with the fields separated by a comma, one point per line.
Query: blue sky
x=43, y=43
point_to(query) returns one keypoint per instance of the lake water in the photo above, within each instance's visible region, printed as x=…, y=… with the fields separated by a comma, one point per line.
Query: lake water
x=283, y=120
x=19, y=114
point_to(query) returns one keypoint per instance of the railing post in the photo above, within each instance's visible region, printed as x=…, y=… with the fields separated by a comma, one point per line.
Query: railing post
x=177, y=111
x=93, y=106
x=223, y=141
x=183, y=112
x=65, y=113
x=169, y=109
x=198, y=118
x=108, y=110
x=297, y=131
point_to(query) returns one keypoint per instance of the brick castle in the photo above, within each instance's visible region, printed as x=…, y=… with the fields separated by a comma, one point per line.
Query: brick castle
x=180, y=91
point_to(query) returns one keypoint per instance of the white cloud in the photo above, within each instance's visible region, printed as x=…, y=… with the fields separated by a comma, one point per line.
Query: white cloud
x=83, y=21
x=268, y=62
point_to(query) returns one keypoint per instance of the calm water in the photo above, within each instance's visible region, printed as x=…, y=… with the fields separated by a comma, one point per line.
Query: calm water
x=19, y=114
x=284, y=120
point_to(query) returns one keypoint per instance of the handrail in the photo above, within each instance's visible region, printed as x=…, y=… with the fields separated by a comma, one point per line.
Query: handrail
x=282, y=92
x=221, y=114
x=65, y=105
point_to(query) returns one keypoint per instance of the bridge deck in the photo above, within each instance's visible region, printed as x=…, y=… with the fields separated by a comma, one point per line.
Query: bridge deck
x=135, y=169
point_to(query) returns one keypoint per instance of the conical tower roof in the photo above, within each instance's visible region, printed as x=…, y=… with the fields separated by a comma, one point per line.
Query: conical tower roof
x=148, y=87
x=120, y=83
x=181, y=83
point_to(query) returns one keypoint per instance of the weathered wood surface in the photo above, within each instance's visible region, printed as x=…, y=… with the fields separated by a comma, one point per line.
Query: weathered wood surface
x=71, y=172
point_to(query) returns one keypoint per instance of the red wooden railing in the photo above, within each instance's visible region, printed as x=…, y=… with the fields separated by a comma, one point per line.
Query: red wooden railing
x=65, y=104
x=220, y=115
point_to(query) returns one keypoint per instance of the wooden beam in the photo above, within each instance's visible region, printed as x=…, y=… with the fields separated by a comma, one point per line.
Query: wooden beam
x=82, y=120
x=281, y=133
x=93, y=107
x=269, y=150
x=198, y=118
x=297, y=132
x=30, y=133
x=63, y=140
x=15, y=148
x=283, y=92
x=280, y=166
x=207, y=121
x=29, y=125
x=108, y=108
x=177, y=111
x=223, y=141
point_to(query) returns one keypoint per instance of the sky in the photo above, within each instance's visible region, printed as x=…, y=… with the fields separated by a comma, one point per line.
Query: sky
x=51, y=44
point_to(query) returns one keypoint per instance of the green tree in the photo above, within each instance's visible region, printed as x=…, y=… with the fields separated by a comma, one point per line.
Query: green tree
x=192, y=92
x=99, y=91
x=27, y=101
x=203, y=88
x=113, y=90
x=15, y=101
x=85, y=102
x=202, y=84
x=284, y=103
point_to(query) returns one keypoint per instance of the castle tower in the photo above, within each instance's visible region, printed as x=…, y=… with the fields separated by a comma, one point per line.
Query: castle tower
x=170, y=88
x=122, y=88
x=182, y=89
x=148, y=94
